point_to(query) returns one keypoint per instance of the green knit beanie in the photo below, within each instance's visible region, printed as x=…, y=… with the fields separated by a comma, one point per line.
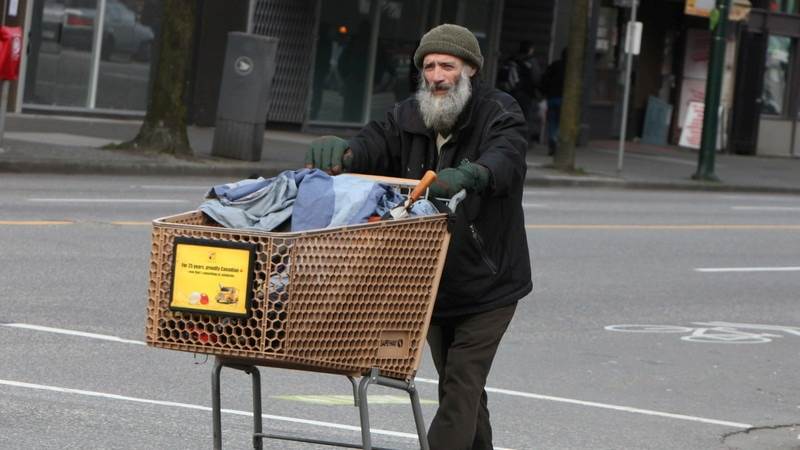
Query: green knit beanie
x=452, y=40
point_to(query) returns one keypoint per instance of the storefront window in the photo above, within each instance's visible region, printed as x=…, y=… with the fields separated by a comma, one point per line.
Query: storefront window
x=473, y=14
x=130, y=30
x=395, y=76
x=343, y=67
x=59, y=66
x=776, y=75
x=340, y=68
x=787, y=6
x=60, y=59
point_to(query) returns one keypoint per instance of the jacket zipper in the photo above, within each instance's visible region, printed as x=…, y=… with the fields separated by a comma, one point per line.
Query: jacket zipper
x=482, y=249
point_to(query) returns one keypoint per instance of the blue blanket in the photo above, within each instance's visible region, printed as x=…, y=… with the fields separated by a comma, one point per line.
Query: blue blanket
x=311, y=198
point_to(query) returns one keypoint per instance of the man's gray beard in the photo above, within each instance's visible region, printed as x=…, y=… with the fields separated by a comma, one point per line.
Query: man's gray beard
x=441, y=112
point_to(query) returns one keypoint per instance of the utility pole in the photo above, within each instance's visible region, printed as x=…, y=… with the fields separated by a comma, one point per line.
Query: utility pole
x=630, y=50
x=716, y=68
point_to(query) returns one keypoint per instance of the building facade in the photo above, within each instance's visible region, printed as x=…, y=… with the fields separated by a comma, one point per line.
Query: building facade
x=342, y=63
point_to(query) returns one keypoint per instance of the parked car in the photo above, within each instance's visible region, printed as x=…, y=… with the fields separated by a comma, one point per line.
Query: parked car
x=122, y=31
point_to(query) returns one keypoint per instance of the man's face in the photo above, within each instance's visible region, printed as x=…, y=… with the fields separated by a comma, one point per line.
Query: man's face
x=444, y=90
x=442, y=71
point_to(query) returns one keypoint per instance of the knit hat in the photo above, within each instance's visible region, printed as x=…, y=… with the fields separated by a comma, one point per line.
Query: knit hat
x=452, y=40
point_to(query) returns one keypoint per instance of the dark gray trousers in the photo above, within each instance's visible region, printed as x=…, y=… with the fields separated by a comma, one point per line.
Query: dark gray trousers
x=463, y=349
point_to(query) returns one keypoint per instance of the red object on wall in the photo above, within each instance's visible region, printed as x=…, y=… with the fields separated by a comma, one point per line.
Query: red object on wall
x=10, y=52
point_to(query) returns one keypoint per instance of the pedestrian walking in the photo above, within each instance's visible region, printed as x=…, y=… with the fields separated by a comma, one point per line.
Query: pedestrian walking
x=553, y=88
x=474, y=136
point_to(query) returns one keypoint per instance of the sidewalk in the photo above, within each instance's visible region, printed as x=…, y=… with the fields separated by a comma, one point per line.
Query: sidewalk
x=51, y=144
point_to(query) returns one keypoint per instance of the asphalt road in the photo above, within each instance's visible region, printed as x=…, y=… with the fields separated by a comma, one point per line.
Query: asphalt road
x=713, y=276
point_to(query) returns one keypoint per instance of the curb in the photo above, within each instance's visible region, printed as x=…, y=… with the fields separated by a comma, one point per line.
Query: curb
x=273, y=168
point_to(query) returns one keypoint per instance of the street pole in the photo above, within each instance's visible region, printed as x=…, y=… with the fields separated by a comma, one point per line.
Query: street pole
x=3, y=94
x=626, y=98
x=716, y=69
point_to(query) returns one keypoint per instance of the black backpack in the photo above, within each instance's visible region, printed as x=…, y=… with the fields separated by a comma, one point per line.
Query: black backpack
x=508, y=77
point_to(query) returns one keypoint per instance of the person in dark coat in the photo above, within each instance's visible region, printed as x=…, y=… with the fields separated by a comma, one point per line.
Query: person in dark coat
x=523, y=76
x=474, y=136
x=553, y=89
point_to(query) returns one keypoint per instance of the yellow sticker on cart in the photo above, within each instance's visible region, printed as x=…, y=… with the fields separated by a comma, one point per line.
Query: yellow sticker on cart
x=212, y=277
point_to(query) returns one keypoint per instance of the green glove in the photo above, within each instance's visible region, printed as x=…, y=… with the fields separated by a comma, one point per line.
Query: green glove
x=328, y=153
x=470, y=176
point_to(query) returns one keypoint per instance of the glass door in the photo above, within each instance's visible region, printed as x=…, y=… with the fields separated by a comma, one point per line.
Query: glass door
x=339, y=86
x=778, y=98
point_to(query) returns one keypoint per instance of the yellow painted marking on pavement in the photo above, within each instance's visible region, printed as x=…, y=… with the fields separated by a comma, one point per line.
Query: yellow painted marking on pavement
x=70, y=222
x=36, y=222
x=662, y=227
x=337, y=400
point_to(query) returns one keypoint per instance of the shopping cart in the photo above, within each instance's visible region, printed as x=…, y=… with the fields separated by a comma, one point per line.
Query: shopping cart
x=353, y=301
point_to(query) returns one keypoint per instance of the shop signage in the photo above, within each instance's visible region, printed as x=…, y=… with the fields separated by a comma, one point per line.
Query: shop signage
x=700, y=8
x=692, y=131
x=212, y=277
x=740, y=9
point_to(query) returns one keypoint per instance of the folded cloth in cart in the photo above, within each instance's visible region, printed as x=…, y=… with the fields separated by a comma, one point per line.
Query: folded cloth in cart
x=311, y=198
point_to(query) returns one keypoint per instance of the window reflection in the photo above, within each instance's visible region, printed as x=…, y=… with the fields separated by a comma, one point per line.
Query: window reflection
x=395, y=76
x=60, y=58
x=128, y=35
x=59, y=62
x=776, y=75
x=787, y=6
x=341, y=64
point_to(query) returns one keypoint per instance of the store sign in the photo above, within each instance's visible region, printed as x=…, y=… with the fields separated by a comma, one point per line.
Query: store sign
x=700, y=8
x=740, y=9
x=212, y=277
x=692, y=132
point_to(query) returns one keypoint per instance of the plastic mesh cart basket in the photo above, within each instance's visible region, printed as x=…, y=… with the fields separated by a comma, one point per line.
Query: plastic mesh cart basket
x=353, y=300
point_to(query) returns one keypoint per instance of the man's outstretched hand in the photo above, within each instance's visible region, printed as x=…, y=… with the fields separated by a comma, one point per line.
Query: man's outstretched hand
x=329, y=153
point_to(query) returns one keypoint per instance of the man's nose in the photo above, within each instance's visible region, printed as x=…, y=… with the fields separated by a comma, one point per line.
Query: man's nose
x=438, y=75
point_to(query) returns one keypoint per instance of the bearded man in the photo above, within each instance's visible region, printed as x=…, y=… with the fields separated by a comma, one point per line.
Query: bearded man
x=474, y=136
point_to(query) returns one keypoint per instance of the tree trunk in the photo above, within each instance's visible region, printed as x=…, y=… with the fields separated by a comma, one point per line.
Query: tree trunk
x=164, y=126
x=571, y=106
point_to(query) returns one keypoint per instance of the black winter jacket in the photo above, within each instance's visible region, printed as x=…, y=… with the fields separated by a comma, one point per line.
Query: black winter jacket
x=487, y=264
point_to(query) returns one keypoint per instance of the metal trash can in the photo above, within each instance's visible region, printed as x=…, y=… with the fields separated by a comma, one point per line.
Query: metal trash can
x=244, y=96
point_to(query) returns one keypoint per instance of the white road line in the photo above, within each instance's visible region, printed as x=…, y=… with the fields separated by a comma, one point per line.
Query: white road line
x=103, y=337
x=746, y=269
x=534, y=205
x=765, y=208
x=608, y=406
x=488, y=389
x=106, y=200
x=63, y=390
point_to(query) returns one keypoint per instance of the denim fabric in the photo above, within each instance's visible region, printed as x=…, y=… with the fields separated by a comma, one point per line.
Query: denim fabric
x=310, y=197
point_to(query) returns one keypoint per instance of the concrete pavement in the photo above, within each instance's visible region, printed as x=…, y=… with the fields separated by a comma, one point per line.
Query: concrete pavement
x=54, y=144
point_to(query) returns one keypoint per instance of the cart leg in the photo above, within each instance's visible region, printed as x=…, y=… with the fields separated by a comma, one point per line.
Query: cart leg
x=257, y=428
x=216, y=413
x=355, y=390
x=363, y=410
x=418, y=420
